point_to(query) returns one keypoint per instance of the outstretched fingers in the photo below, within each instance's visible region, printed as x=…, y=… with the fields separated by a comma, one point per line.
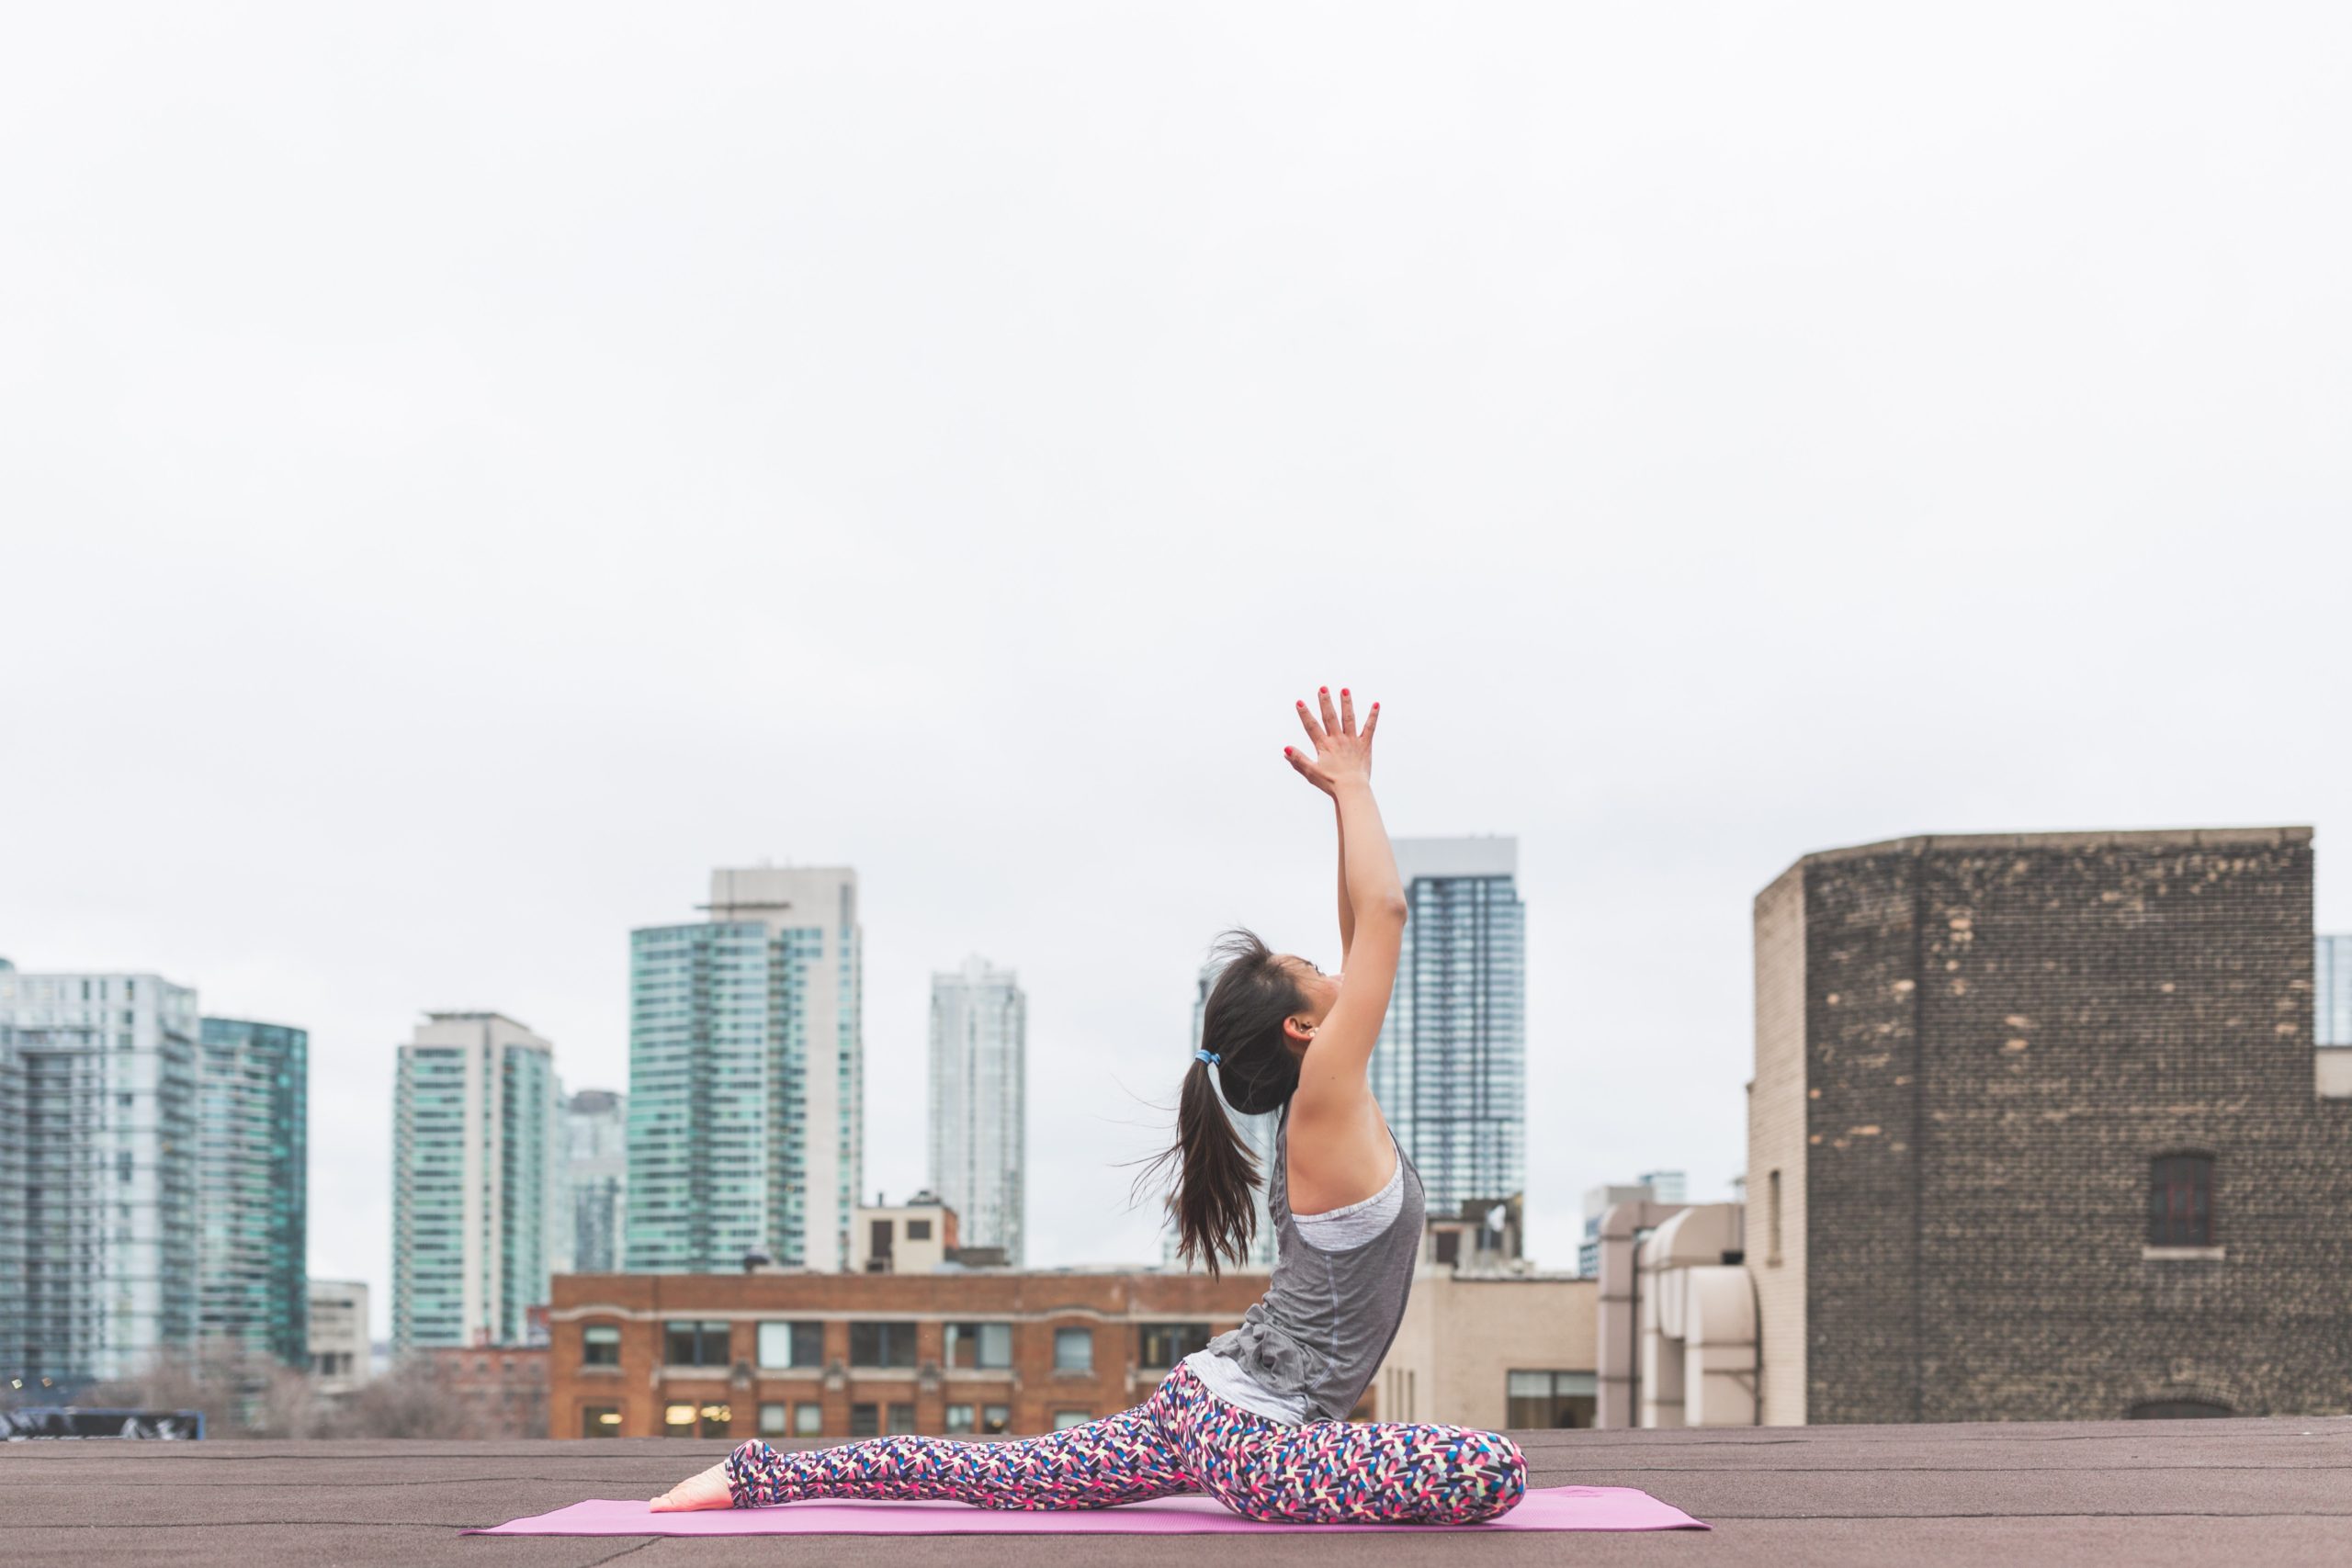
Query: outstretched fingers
x=1371, y=723
x=1330, y=714
x=1315, y=731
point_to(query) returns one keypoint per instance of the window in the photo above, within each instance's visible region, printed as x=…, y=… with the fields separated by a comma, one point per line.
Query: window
x=979, y=1345
x=865, y=1421
x=1165, y=1344
x=773, y=1422
x=918, y=1230
x=881, y=1344
x=1065, y=1419
x=677, y=1420
x=600, y=1345
x=1449, y=1246
x=807, y=1419
x=715, y=1419
x=694, y=1344
x=600, y=1420
x=959, y=1419
x=903, y=1419
x=996, y=1418
x=1772, y=1187
x=792, y=1344
x=1550, y=1399
x=1073, y=1349
x=877, y=1247
x=2180, y=1200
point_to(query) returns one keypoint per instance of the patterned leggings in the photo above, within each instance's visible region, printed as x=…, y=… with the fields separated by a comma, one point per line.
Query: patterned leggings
x=1183, y=1438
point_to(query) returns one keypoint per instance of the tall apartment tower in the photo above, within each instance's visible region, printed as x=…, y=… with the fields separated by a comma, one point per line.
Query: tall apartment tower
x=2036, y=1132
x=980, y=1035
x=253, y=1187
x=1451, y=1067
x=473, y=1161
x=747, y=1077
x=98, y=1173
x=1257, y=1132
x=591, y=1200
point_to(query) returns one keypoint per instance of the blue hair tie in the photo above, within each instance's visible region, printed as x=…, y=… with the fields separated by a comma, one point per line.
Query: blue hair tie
x=1211, y=1057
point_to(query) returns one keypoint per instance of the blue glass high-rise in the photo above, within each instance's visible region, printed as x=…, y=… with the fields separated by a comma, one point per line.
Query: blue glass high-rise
x=1451, y=1067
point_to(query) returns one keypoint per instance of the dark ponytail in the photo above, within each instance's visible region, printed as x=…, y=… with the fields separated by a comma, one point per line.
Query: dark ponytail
x=1216, y=1173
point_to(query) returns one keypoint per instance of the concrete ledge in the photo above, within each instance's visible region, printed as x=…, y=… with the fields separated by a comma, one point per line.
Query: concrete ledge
x=2127, y=839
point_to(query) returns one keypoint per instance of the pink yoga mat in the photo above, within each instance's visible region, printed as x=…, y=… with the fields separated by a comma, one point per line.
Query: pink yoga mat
x=1543, y=1508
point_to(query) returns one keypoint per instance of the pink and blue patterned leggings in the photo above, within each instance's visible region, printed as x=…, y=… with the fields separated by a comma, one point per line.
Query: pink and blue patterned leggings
x=1183, y=1438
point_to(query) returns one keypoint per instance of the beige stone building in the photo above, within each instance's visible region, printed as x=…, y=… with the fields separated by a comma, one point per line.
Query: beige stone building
x=1494, y=1351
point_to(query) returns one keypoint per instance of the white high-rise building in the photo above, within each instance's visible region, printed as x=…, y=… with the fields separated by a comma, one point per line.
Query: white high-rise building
x=1258, y=1131
x=978, y=1091
x=591, y=1198
x=747, y=1075
x=98, y=1266
x=474, y=1160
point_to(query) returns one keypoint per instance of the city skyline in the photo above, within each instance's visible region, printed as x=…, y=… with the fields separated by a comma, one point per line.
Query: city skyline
x=266, y=1063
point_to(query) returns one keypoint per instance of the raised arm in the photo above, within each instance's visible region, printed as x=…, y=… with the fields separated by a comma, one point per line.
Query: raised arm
x=1347, y=907
x=1334, y=1090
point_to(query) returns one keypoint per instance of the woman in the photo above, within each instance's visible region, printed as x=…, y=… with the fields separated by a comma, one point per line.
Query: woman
x=1259, y=1418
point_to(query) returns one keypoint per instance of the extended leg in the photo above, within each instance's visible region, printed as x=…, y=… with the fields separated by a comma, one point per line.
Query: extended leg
x=1343, y=1472
x=1119, y=1459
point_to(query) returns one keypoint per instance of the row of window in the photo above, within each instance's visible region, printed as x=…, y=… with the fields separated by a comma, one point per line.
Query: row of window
x=807, y=1419
x=978, y=1346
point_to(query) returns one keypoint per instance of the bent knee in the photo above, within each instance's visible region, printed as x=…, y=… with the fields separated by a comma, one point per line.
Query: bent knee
x=1495, y=1478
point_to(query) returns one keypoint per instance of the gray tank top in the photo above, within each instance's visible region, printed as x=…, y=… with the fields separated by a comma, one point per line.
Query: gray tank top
x=1315, y=1339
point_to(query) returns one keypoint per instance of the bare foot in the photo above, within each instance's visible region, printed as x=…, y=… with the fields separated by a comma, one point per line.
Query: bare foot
x=708, y=1490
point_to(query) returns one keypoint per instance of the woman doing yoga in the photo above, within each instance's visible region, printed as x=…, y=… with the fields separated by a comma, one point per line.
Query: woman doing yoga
x=1259, y=1418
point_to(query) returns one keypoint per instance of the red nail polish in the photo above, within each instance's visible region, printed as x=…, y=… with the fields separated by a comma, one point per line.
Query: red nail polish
x=1322, y=691
x=1343, y=690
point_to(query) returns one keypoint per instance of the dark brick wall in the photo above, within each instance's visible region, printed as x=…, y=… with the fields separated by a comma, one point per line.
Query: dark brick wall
x=2002, y=1033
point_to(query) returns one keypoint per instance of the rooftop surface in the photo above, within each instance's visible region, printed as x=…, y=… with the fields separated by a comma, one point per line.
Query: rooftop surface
x=2221, y=1492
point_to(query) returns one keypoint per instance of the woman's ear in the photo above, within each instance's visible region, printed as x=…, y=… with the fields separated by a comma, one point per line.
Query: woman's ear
x=1298, y=1031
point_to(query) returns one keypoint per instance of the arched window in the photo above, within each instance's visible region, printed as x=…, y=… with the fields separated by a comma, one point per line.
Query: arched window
x=2180, y=1200
x=2178, y=1409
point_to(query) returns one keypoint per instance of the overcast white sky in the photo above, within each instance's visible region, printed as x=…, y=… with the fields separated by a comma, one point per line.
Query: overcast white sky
x=467, y=470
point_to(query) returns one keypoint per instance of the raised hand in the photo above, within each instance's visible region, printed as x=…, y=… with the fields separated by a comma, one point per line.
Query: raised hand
x=1342, y=753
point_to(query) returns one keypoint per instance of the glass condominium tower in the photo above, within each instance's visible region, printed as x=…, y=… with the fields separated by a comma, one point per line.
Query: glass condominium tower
x=1451, y=1069
x=252, y=1185
x=98, y=1174
x=747, y=1077
x=592, y=1196
x=474, y=1165
x=979, y=1089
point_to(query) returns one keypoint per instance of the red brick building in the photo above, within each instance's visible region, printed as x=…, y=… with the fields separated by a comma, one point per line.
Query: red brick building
x=836, y=1356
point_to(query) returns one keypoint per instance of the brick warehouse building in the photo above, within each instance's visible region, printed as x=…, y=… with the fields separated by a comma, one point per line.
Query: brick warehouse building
x=2035, y=1133
x=821, y=1355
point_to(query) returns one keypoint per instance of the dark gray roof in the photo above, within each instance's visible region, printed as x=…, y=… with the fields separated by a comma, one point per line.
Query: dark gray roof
x=2231, y=1494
